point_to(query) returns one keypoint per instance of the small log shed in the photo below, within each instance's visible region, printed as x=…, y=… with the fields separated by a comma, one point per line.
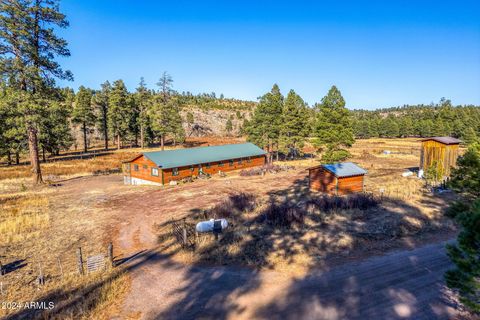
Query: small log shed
x=441, y=152
x=337, y=178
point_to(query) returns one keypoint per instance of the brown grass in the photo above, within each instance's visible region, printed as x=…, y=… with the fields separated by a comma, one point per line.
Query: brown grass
x=40, y=229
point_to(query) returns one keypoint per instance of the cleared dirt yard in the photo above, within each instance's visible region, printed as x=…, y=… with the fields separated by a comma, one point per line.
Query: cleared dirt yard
x=91, y=211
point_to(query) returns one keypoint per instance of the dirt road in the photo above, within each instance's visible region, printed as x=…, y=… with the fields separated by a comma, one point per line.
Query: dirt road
x=400, y=285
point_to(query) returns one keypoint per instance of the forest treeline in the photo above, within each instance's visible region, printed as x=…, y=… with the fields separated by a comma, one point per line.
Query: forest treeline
x=121, y=117
x=440, y=119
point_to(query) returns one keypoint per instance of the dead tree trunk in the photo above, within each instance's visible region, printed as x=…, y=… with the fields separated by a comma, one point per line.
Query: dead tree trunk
x=118, y=141
x=162, y=141
x=33, y=149
x=142, y=138
x=84, y=128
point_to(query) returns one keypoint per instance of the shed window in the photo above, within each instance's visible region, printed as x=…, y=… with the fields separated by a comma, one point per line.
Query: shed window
x=231, y=163
x=135, y=167
x=175, y=172
x=155, y=172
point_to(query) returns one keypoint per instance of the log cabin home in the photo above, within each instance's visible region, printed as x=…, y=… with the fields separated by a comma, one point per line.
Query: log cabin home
x=162, y=167
x=337, y=178
x=441, y=152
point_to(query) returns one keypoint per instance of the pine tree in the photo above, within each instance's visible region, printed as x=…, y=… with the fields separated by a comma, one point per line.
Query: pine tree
x=333, y=127
x=228, y=126
x=143, y=98
x=165, y=112
x=83, y=113
x=119, y=111
x=470, y=136
x=102, y=104
x=54, y=127
x=294, y=129
x=29, y=46
x=264, y=127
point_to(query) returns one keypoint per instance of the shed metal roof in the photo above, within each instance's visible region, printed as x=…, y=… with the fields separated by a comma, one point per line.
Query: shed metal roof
x=444, y=140
x=191, y=156
x=343, y=169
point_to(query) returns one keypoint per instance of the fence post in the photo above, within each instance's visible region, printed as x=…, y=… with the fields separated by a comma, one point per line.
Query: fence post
x=41, y=280
x=184, y=232
x=110, y=253
x=80, y=260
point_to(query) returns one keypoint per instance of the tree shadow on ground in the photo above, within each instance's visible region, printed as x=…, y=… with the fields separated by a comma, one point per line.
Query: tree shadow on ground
x=397, y=286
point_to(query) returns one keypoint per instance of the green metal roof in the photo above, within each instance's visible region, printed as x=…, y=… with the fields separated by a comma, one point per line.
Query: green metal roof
x=190, y=156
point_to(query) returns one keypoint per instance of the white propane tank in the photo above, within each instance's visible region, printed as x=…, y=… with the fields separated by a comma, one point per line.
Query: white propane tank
x=207, y=226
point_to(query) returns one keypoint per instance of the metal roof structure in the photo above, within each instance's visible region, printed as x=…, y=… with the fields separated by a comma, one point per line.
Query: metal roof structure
x=343, y=169
x=186, y=157
x=444, y=140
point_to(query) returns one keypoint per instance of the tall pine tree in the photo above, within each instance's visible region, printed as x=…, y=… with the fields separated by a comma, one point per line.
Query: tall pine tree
x=264, y=127
x=333, y=127
x=84, y=113
x=28, y=47
x=295, y=125
x=101, y=101
x=119, y=111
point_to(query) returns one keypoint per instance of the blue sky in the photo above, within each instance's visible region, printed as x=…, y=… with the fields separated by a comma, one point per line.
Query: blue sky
x=378, y=53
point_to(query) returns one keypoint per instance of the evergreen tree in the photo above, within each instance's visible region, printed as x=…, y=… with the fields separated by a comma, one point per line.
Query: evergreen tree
x=54, y=126
x=83, y=113
x=333, y=127
x=165, y=112
x=143, y=98
x=228, y=126
x=119, y=111
x=29, y=46
x=264, y=127
x=101, y=101
x=294, y=129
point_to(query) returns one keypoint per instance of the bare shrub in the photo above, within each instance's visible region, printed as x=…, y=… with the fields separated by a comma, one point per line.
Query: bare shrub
x=284, y=214
x=233, y=205
x=361, y=201
x=269, y=168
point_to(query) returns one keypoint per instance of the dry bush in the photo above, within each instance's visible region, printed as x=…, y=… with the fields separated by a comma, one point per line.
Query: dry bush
x=269, y=168
x=284, y=214
x=232, y=206
x=361, y=201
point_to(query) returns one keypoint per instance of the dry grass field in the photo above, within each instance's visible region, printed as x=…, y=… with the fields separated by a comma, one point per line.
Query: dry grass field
x=41, y=227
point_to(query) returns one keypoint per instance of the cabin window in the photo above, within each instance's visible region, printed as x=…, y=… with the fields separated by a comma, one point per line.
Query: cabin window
x=240, y=161
x=175, y=172
x=220, y=164
x=249, y=160
x=135, y=167
x=155, y=172
x=231, y=163
x=208, y=165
